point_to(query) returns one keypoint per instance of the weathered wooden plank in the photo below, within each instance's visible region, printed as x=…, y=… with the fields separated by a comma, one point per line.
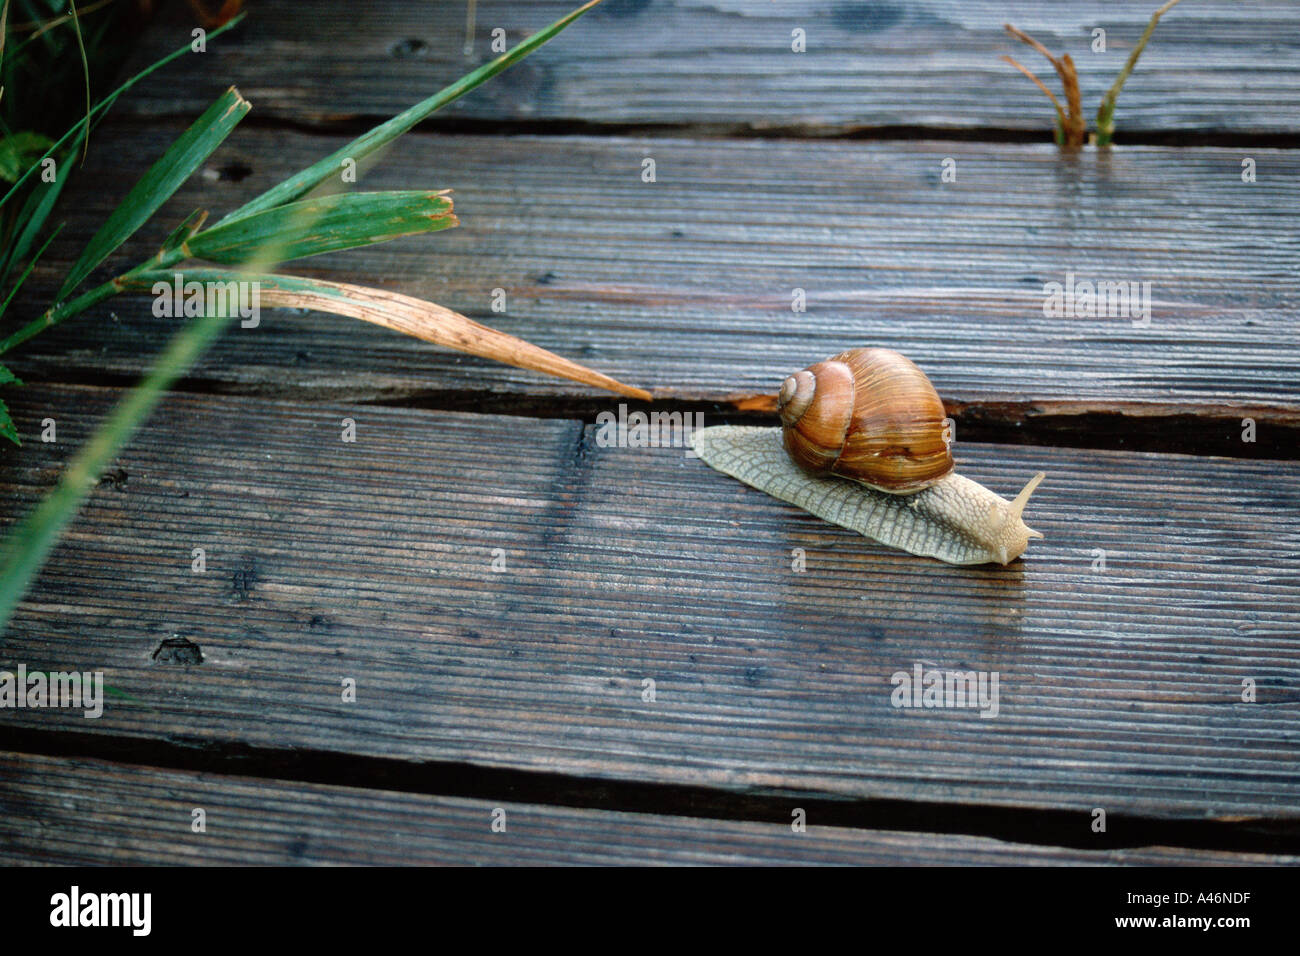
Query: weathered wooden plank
x=1119, y=688
x=685, y=285
x=1214, y=65
x=76, y=811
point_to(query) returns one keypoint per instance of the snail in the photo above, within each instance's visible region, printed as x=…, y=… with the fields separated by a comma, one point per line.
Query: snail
x=865, y=443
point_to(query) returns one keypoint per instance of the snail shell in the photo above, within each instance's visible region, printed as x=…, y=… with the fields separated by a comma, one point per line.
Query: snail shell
x=870, y=415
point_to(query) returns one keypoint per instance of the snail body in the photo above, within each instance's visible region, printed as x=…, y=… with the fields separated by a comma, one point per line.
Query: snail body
x=864, y=443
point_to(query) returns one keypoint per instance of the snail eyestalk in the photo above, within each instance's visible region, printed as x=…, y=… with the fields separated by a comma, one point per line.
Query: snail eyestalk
x=1022, y=499
x=1015, y=534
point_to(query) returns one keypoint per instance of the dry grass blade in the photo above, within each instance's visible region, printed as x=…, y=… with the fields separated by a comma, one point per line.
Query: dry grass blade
x=402, y=313
x=1060, y=113
x=1073, y=126
x=1077, y=127
x=1026, y=38
x=441, y=326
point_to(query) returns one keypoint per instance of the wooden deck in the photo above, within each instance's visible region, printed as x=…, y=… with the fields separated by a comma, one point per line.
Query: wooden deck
x=523, y=690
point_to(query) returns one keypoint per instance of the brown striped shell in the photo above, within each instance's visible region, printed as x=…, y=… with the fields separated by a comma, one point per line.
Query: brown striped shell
x=870, y=415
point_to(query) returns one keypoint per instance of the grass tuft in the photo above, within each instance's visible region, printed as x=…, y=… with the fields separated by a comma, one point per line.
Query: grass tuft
x=1071, y=128
x=279, y=225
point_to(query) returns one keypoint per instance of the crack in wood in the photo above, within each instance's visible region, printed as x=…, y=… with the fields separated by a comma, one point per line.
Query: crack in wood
x=1042, y=826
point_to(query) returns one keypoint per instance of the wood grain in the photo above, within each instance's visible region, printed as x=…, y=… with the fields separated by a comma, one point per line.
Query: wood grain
x=1213, y=66
x=1123, y=641
x=75, y=811
x=1120, y=689
x=685, y=286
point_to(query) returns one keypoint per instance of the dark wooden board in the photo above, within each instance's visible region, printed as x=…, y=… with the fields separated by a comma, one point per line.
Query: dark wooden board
x=72, y=811
x=1121, y=686
x=1119, y=689
x=685, y=285
x=1213, y=65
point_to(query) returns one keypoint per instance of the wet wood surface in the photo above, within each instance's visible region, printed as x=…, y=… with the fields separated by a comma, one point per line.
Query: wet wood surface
x=637, y=658
x=374, y=561
x=1214, y=67
x=687, y=286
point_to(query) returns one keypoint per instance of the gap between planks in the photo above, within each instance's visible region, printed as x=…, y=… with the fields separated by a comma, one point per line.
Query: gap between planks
x=1205, y=430
x=355, y=125
x=1037, y=827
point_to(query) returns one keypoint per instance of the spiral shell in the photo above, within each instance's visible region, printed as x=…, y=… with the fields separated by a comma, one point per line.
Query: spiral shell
x=870, y=415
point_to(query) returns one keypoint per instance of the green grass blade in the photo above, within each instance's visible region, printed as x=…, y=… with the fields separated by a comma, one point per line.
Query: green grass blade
x=324, y=224
x=1106, y=111
x=192, y=224
x=17, y=152
x=36, y=210
x=298, y=185
x=109, y=100
x=31, y=218
x=4, y=307
x=85, y=72
x=31, y=541
x=184, y=156
x=7, y=427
